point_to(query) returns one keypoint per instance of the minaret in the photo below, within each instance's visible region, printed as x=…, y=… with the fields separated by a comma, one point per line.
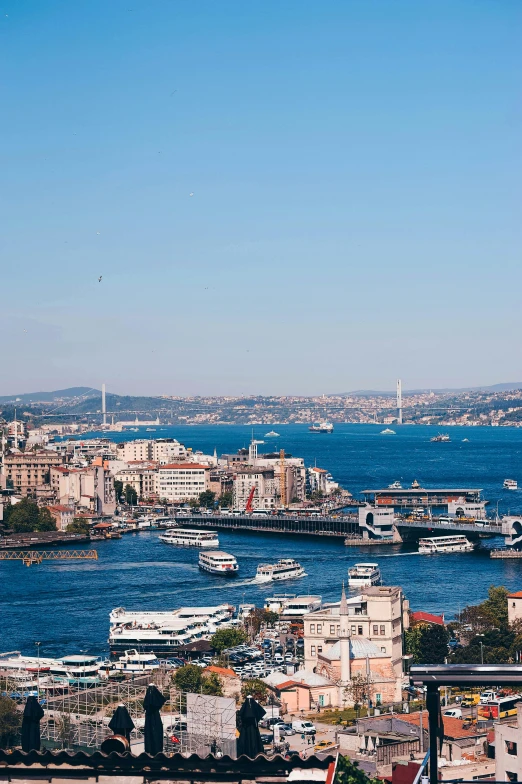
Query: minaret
x=344, y=642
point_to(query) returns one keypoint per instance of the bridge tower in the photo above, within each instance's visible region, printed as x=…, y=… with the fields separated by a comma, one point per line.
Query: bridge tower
x=399, y=401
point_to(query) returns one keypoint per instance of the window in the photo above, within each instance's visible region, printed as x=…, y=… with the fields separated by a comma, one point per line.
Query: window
x=375, y=629
x=360, y=630
x=319, y=628
x=511, y=776
x=319, y=649
x=332, y=628
x=353, y=630
x=383, y=650
x=383, y=630
x=312, y=628
x=338, y=629
x=511, y=747
x=312, y=650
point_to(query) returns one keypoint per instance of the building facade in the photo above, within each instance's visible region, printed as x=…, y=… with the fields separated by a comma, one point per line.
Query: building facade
x=264, y=484
x=182, y=481
x=29, y=471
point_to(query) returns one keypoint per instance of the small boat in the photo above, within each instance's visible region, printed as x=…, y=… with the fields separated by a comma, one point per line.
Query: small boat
x=284, y=569
x=388, y=432
x=465, y=440
x=135, y=662
x=271, y=434
x=218, y=562
x=441, y=437
x=190, y=537
x=321, y=427
x=150, y=430
x=364, y=574
x=395, y=486
x=415, y=485
x=445, y=544
x=510, y=484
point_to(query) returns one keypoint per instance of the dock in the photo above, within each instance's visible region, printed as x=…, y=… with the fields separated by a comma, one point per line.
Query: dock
x=505, y=552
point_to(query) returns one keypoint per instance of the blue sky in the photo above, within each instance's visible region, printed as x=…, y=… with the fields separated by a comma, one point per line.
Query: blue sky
x=355, y=170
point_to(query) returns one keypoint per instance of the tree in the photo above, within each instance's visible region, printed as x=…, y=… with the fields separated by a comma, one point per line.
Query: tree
x=46, y=521
x=193, y=503
x=118, y=488
x=23, y=517
x=496, y=605
x=258, y=617
x=226, y=499
x=212, y=684
x=270, y=617
x=206, y=499
x=359, y=689
x=131, y=496
x=78, y=526
x=427, y=643
x=349, y=772
x=227, y=638
x=10, y=722
x=255, y=688
x=188, y=678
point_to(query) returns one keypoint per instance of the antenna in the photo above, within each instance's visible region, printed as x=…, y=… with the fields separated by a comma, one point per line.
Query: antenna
x=399, y=401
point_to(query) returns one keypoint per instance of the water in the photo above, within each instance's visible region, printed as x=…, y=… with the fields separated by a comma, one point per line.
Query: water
x=66, y=606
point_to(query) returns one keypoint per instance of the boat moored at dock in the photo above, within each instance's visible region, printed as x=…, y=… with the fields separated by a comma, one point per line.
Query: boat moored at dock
x=218, y=562
x=445, y=544
x=135, y=662
x=284, y=569
x=190, y=537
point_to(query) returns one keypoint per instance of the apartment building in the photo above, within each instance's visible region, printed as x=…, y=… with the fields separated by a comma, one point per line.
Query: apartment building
x=262, y=480
x=29, y=471
x=182, y=481
x=142, y=477
x=90, y=488
x=378, y=615
x=508, y=749
x=140, y=449
x=168, y=450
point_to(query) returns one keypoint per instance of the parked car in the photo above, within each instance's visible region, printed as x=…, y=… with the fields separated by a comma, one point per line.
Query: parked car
x=305, y=727
x=453, y=713
x=324, y=745
x=286, y=729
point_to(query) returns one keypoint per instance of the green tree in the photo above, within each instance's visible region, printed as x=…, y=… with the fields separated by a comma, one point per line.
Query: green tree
x=131, y=496
x=255, y=688
x=10, y=723
x=206, y=499
x=118, y=489
x=349, y=772
x=427, y=643
x=226, y=499
x=193, y=503
x=188, y=678
x=78, y=526
x=270, y=618
x=496, y=605
x=23, y=516
x=227, y=638
x=212, y=684
x=46, y=521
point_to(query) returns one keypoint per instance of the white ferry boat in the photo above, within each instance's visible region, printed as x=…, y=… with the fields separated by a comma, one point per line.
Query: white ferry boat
x=218, y=562
x=272, y=434
x=441, y=437
x=388, y=432
x=77, y=670
x=135, y=662
x=284, y=569
x=165, y=632
x=364, y=574
x=190, y=537
x=445, y=544
x=321, y=427
x=395, y=486
x=510, y=484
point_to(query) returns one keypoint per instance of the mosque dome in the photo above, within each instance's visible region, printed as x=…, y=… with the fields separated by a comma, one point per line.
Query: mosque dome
x=360, y=648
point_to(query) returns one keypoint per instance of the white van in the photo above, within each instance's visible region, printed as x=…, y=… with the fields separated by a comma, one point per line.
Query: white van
x=305, y=727
x=453, y=713
x=487, y=696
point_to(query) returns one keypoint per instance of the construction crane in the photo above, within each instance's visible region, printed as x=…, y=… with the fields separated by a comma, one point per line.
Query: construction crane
x=283, y=478
x=252, y=493
x=37, y=556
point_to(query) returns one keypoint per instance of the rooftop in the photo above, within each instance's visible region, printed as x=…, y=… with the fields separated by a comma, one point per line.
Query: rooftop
x=423, y=490
x=423, y=617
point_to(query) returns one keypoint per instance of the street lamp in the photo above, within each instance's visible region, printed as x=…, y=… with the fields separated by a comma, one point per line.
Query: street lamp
x=38, y=671
x=481, y=651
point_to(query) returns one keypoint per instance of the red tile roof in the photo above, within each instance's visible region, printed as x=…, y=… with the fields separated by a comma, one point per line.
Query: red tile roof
x=517, y=595
x=424, y=617
x=184, y=466
x=453, y=728
x=288, y=685
x=226, y=671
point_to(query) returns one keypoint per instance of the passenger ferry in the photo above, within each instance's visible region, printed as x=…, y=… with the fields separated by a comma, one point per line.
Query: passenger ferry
x=272, y=434
x=440, y=437
x=190, y=537
x=218, y=562
x=388, y=432
x=165, y=632
x=284, y=569
x=82, y=671
x=445, y=544
x=135, y=662
x=321, y=427
x=510, y=484
x=364, y=574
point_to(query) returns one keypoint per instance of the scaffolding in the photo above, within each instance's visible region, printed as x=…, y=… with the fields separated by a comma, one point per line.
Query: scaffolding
x=78, y=718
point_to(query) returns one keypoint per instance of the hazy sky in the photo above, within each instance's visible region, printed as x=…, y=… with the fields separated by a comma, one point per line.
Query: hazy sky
x=356, y=176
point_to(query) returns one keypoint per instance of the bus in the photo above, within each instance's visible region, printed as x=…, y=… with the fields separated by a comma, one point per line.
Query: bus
x=500, y=708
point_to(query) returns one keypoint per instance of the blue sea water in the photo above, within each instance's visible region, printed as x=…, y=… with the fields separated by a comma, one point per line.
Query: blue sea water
x=66, y=606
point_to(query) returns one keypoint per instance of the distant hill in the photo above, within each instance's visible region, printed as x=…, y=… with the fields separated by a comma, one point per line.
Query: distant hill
x=507, y=387
x=49, y=397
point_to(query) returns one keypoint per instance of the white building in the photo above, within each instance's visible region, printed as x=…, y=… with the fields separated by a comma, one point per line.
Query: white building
x=140, y=449
x=264, y=484
x=182, y=481
x=167, y=450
